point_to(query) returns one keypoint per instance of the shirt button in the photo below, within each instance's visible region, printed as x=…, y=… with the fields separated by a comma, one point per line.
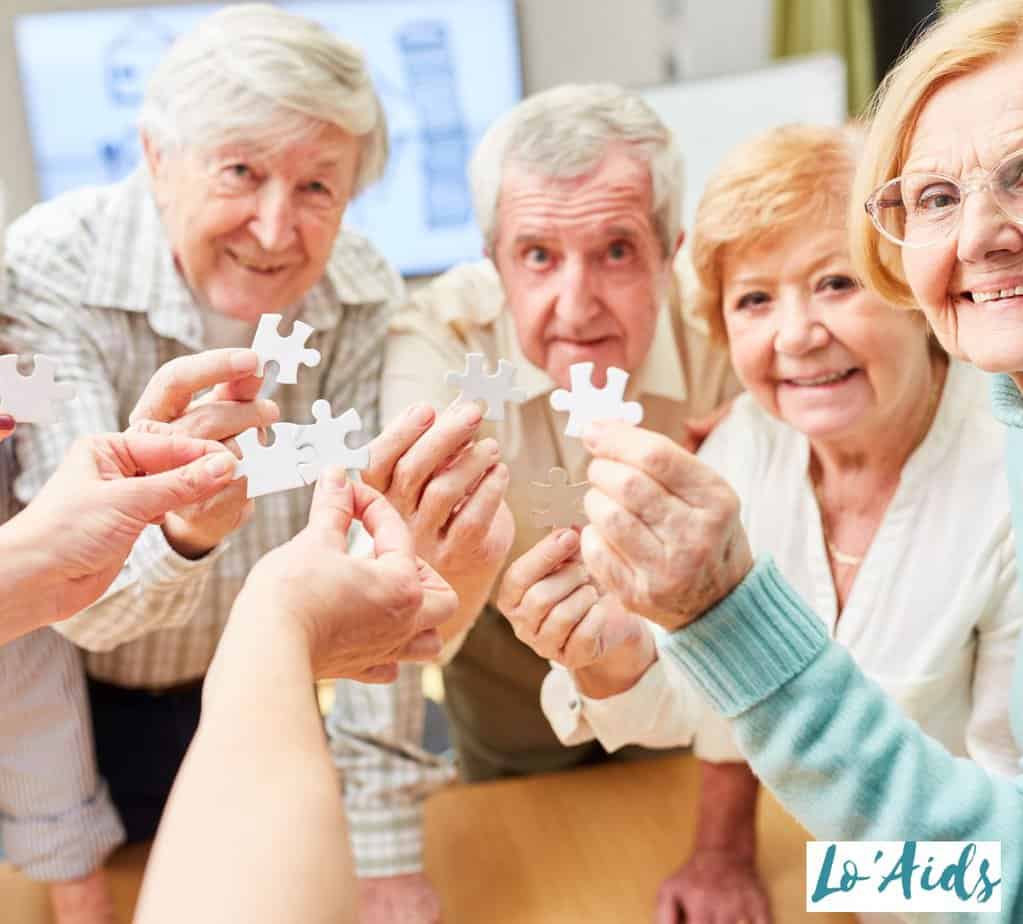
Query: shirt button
x=573, y=704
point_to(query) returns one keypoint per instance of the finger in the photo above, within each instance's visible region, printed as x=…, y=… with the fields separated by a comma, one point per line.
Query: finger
x=171, y=389
x=423, y=647
x=667, y=908
x=384, y=524
x=152, y=453
x=6, y=426
x=544, y=595
x=245, y=389
x=440, y=602
x=606, y=567
x=333, y=505
x=634, y=490
x=625, y=532
x=220, y=420
x=475, y=517
x=435, y=449
x=565, y=619
x=449, y=487
x=546, y=556
x=151, y=497
x=680, y=472
x=396, y=439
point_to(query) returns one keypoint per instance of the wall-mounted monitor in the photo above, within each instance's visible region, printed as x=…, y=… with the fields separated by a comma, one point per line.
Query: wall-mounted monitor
x=445, y=69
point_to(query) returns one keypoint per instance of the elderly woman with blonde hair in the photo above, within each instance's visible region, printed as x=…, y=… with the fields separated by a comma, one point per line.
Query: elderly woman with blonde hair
x=940, y=177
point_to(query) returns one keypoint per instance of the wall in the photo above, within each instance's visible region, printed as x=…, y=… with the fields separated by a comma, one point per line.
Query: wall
x=618, y=40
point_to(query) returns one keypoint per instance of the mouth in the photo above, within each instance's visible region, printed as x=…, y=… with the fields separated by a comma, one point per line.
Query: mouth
x=823, y=380
x=260, y=267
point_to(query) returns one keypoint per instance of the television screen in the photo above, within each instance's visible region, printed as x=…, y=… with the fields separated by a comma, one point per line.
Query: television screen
x=444, y=69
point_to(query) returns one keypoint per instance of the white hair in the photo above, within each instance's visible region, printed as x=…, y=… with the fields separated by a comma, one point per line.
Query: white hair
x=255, y=73
x=565, y=133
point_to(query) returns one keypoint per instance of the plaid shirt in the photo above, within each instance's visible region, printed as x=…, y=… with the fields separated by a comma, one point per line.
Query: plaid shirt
x=92, y=282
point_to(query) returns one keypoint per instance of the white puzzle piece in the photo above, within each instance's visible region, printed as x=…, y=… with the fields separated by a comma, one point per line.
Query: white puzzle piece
x=558, y=503
x=586, y=403
x=31, y=398
x=327, y=438
x=288, y=352
x=495, y=388
x=271, y=468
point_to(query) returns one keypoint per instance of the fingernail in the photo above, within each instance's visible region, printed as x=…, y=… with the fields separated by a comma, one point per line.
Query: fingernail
x=245, y=361
x=491, y=447
x=421, y=414
x=268, y=410
x=470, y=414
x=6, y=422
x=591, y=433
x=220, y=463
x=567, y=540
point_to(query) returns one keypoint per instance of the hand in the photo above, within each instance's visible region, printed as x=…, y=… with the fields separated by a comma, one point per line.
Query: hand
x=88, y=516
x=664, y=533
x=408, y=899
x=6, y=426
x=227, y=410
x=358, y=616
x=556, y=609
x=713, y=887
x=449, y=489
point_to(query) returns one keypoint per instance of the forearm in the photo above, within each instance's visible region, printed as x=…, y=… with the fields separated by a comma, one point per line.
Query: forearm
x=29, y=600
x=728, y=805
x=257, y=785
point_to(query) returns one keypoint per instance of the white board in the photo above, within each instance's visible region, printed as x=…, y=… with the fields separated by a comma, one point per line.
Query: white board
x=711, y=116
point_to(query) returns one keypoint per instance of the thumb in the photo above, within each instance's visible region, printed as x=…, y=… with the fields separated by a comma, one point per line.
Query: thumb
x=149, y=498
x=333, y=506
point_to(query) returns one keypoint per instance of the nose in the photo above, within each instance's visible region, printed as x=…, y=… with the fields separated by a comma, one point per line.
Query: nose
x=984, y=231
x=577, y=299
x=273, y=223
x=799, y=330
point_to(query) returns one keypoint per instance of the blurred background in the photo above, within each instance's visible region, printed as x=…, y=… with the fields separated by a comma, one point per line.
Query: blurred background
x=72, y=73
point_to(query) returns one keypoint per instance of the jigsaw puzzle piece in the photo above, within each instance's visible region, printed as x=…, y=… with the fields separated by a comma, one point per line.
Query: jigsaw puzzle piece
x=274, y=467
x=288, y=352
x=32, y=398
x=585, y=403
x=493, y=388
x=327, y=438
x=559, y=503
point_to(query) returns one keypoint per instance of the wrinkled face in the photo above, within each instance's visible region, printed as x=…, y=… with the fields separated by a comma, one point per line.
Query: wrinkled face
x=971, y=285
x=583, y=269
x=812, y=347
x=252, y=232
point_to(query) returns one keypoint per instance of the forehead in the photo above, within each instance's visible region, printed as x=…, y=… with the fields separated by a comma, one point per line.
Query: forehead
x=617, y=193
x=972, y=121
x=323, y=147
x=791, y=252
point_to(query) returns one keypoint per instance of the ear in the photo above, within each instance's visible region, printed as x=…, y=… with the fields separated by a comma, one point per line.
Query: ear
x=153, y=154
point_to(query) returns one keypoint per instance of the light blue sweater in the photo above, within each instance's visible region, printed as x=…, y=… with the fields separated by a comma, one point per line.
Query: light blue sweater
x=829, y=743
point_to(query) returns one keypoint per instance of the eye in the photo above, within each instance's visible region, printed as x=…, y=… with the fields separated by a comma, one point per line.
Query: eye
x=619, y=250
x=318, y=188
x=837, y=283
x=937, y=197
x=536, y=256
x=238, y=175
x=751, y=300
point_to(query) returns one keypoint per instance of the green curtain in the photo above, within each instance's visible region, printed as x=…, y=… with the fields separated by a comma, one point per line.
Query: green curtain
x=844, y=26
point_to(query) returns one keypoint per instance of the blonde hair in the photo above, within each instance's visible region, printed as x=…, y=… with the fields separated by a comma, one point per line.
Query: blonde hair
x=256, y=73
x=796, y=176
x=959, y=44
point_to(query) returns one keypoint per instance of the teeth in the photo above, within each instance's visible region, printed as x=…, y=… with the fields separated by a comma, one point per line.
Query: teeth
x=822, y=379
x=991, y=296
x=257, y=267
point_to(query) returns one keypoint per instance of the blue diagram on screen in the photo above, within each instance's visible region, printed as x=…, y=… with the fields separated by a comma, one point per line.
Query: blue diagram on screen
x=444, y=69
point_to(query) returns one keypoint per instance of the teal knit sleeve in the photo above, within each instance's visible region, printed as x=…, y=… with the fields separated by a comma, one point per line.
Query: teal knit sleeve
x=829, y=743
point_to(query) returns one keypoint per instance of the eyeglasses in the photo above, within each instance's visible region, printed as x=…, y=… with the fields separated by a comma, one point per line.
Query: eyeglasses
x=921, y=209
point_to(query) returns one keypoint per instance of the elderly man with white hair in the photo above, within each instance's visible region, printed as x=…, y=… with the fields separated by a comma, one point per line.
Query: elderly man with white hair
x=258, y=129
x=578, y=195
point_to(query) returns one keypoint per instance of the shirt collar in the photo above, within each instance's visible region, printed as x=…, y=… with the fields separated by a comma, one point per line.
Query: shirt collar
x=1006, y=401
x=134, y=270
x=661, y=373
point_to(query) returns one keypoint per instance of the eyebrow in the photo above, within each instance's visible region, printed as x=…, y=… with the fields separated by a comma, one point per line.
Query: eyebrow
x=759, y=279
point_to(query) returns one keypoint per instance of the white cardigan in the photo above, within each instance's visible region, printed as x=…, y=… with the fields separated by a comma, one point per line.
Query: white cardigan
x=933, y=615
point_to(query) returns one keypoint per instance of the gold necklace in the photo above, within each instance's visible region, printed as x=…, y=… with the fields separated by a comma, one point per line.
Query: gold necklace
x=840, y=557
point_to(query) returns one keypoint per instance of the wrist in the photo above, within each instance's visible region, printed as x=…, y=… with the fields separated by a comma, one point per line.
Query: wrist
x=188, y=543
x=617, y=672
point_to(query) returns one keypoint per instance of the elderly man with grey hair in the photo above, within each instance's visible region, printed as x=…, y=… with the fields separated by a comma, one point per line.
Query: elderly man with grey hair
x=258, y=128
x=578, y=194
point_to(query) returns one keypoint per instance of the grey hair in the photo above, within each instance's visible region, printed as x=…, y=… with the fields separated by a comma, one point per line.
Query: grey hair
x=564, y=133
x=256, y=73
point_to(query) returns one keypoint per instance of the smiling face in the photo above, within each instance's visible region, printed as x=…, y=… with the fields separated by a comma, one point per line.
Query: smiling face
x=583, y=269
x=971, y=285
x=251, y=231
x=814, y=348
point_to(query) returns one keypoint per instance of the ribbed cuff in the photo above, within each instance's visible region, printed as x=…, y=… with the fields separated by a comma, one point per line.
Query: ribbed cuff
x=386, y=841
x=1006, y=401
x=71, y=845
x=754, y=641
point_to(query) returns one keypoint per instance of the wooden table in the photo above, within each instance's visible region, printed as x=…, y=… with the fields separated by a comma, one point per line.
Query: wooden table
x=587, y=846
